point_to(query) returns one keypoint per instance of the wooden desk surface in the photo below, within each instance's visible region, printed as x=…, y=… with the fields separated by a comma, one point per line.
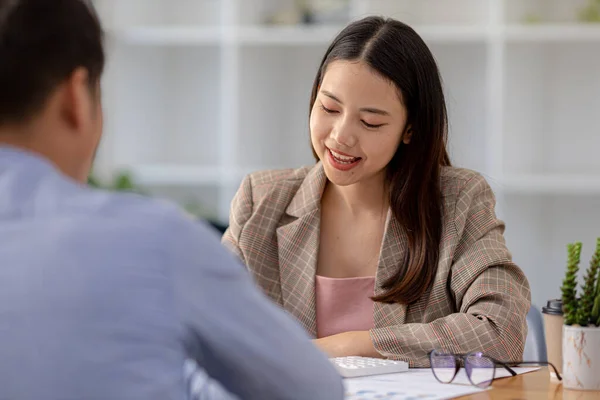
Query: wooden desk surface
x=534, y=385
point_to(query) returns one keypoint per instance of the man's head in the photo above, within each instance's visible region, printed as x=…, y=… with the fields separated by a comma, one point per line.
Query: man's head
x=51, y=61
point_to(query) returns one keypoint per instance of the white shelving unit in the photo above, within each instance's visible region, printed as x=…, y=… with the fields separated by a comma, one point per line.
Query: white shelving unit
x=574, y=33
x=168, y=36
x=200, y=92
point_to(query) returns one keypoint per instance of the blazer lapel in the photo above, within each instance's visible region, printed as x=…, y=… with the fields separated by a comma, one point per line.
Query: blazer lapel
x=298, y=244
x=394, y=250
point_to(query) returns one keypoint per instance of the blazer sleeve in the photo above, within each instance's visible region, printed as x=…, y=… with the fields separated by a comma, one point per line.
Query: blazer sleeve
x=491, y=294
x=241, y=210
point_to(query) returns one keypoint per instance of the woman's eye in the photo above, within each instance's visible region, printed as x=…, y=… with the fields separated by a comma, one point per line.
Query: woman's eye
x=328, y=110
x=372, y=126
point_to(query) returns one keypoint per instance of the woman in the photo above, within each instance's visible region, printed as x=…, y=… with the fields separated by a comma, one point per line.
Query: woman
x=382, y=249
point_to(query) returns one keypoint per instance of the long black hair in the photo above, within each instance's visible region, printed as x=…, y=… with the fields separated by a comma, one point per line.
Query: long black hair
x=396, y=52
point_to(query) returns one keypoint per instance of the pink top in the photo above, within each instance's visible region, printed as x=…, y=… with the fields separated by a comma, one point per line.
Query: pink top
x=344, y=304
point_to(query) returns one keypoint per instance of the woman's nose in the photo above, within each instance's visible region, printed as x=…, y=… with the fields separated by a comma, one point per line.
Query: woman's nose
x=343, y=133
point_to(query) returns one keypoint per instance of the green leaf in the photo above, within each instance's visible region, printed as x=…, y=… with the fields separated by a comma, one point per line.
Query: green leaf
x=123, y=182
x=569, y=287
x=596, y=309
x=597, y=257
x=93, y=181
x=584, y=311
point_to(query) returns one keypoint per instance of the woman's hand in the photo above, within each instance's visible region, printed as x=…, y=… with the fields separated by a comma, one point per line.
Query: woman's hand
x=356, y=343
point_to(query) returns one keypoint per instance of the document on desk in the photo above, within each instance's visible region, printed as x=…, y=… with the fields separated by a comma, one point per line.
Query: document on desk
x=416, y=384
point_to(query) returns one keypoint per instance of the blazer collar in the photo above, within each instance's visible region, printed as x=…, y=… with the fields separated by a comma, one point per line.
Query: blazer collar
x=308, y=197
x=298, y=249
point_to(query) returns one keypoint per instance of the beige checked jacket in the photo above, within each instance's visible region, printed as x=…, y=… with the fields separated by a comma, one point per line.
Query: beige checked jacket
x=479, y=299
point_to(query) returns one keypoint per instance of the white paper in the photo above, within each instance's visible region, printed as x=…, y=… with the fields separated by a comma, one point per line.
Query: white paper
x=416, y=384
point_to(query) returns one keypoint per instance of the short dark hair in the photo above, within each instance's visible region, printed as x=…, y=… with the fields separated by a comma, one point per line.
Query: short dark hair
x=41, y=43
x=397, y=53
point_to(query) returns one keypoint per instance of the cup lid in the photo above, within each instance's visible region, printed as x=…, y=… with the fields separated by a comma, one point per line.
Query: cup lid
x=553, y=307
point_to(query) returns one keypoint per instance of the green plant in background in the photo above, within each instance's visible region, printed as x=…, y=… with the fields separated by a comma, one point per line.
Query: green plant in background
x=122, y=182
x=588, y=14
x=93, y=181
x=532, y=19
x=591, y=12
x=585, y=310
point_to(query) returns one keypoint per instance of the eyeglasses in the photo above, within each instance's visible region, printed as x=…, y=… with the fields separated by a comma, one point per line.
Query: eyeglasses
x=480, y=369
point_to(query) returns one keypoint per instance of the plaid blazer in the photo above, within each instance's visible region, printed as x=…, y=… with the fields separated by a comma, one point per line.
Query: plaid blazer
x=478, y=301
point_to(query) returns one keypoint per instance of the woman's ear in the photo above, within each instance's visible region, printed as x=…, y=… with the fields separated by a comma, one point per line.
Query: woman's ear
x=407, y=135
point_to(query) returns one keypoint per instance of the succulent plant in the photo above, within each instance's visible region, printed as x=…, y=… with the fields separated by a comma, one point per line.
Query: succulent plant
x=583, y=310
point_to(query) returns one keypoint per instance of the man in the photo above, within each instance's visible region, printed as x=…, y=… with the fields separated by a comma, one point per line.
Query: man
x=105, y=296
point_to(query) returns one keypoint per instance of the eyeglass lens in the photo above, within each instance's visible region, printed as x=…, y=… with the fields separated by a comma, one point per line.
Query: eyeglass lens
x=480, y=370
x=443, y=366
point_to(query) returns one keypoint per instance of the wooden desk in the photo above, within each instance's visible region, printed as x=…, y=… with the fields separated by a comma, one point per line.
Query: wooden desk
x=534, y=385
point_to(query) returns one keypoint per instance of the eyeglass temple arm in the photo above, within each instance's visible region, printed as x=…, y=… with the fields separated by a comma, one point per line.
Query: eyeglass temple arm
x=543, y=363
x=513, y=373
x=506, y=367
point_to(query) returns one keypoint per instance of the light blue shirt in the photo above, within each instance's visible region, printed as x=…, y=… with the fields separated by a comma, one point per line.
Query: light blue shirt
x=105, y=296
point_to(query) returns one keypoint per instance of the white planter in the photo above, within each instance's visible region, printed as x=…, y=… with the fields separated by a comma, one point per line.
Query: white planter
x=581, y=358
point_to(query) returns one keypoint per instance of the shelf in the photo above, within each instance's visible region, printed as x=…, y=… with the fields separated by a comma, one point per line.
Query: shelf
x=277, y=35
x=190, y=175
x=451, y=33
x=300, y=35
x=169, y=35
x=552, y=184
x=324, y=34
x=307, y=35
x=175, y=175
x=166, y=174
x=553, y=33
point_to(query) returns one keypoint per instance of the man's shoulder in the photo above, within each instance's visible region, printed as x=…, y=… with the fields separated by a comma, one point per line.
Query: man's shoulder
x=122, y=205
x=131, y=214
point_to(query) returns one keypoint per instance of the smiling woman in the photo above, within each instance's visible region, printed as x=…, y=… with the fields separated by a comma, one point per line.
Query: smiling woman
x=382, y=248
x=357, y=121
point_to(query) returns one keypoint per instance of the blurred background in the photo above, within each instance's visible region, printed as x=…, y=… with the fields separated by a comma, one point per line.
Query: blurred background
x=199, y=93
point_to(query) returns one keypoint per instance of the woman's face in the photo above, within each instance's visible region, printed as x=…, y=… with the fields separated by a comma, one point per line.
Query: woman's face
x=356, y=123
